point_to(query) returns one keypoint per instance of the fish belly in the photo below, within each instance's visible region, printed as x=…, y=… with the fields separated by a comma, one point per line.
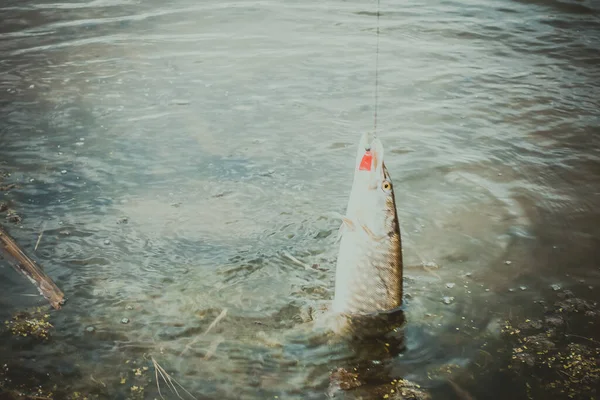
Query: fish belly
x=367, y=276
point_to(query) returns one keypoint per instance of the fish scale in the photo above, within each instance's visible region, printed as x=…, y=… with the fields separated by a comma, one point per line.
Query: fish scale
x=378, y=279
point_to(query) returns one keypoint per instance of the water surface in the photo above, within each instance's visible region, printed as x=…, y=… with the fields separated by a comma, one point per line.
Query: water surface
x=174, y=154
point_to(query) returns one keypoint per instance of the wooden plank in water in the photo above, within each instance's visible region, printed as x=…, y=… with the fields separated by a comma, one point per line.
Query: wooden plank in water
x=22, y=263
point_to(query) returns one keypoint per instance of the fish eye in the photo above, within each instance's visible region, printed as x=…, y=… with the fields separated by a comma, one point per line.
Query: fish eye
x=386, y=185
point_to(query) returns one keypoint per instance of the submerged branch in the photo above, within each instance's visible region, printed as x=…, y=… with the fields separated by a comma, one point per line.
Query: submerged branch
x=22, y=263
x=212, y=325
x=168, y=380
x=39, y=237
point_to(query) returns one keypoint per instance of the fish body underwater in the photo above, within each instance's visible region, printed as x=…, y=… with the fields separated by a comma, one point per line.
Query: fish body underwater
x=368, y=279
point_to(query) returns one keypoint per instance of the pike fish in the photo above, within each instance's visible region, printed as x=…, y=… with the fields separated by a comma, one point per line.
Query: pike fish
x=368, y=278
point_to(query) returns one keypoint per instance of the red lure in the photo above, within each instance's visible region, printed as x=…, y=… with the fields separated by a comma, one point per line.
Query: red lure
x=365, y=163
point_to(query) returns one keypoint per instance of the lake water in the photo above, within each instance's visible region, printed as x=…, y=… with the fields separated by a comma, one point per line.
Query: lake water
x=175, y=153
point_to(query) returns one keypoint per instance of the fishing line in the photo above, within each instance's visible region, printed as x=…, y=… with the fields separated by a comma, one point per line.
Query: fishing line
x=376, y=76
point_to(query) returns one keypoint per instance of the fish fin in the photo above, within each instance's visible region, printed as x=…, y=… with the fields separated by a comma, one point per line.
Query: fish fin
x=340, y=233
x=348, y=223
x=345, y=220
x=347, y=226
x=371, y=234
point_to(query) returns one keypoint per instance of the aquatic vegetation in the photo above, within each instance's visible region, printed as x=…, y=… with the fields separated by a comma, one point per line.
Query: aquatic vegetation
x=444, y=371
x=405, y=390
x=37, y=394
x=345, y=379
x=11, y=215
x=33, y=324
x=400, y=389
x=5, y=187
x=30, y=389
x=550, y=362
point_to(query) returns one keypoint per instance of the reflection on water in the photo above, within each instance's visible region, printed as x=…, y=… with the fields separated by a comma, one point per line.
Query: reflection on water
x=174, y=155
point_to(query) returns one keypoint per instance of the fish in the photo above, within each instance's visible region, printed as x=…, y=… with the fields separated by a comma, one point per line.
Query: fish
x=369, y=268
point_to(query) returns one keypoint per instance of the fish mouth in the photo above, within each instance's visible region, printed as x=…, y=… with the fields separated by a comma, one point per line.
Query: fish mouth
x=366, y=141
x=369, y=156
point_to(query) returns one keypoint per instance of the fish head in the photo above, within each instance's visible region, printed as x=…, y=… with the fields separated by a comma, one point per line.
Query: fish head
x=372, y=199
